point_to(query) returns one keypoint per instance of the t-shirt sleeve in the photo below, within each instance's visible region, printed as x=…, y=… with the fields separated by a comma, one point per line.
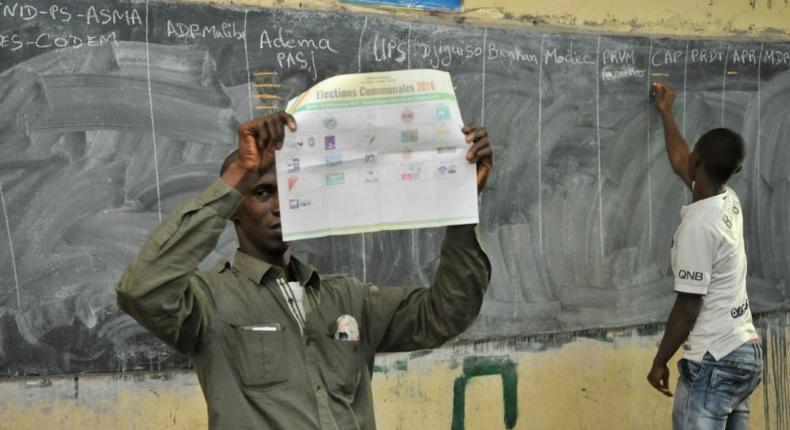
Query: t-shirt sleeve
x=696, y=250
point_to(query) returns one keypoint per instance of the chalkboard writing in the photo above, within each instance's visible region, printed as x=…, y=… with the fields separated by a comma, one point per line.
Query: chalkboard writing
x=113, y=113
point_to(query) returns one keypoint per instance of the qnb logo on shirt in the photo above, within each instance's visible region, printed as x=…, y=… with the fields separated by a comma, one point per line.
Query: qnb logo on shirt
x=727, y=221
x=688, y=275
x=738, y=312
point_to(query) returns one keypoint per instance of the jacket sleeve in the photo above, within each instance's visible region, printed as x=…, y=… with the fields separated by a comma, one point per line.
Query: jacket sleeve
x=405, y=319
x=160, y=288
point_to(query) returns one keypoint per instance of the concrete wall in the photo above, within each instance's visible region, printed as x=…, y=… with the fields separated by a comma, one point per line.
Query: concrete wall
x=592, y=380
x=567, y=381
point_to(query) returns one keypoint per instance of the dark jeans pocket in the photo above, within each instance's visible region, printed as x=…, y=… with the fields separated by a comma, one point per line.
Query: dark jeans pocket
x=259, y=357
x=728, y=387
x=689, y=370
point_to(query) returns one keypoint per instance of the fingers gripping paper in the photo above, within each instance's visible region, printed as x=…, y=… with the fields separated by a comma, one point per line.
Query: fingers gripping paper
x=375, y=151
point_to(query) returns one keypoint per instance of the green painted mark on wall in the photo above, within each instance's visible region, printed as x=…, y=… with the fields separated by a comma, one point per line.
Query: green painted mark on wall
x=487, y=366
x=400, y=365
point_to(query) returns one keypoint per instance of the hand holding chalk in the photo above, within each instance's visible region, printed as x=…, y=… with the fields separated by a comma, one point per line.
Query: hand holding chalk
x=664, y=96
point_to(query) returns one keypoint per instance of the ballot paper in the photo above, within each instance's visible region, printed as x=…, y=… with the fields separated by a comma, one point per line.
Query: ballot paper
x=375, y=151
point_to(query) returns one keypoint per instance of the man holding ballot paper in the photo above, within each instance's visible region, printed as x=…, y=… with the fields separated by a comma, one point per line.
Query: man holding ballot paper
x=275, y=344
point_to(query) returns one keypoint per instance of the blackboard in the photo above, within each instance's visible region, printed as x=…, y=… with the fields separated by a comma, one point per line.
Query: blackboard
x=113, y=113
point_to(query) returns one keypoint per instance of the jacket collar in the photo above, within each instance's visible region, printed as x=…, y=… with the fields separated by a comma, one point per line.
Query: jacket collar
x=258, y=270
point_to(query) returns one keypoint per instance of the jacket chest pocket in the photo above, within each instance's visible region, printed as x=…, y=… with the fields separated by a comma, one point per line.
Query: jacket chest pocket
x=258, y=352
x=343, y=367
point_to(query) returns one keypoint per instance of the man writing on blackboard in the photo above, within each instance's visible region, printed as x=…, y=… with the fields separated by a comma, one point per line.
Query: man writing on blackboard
x=722, y=361
x=275, y=345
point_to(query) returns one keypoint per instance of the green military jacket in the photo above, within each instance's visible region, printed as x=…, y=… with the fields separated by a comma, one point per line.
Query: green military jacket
x=256, y=368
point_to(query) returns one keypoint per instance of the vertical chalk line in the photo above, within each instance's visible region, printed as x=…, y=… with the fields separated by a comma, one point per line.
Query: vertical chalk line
x=647, y=152
x=598, y=135
x=315, y=69
x=364, y=258
x=685, y=80
x=151, y=110
x=11, y=248
x=408, y=48
x=757, y=149
x=247, y=62
x=359, y=49
x=364, y=237
x=483, y=104
x=724, y=83
x=540, y=144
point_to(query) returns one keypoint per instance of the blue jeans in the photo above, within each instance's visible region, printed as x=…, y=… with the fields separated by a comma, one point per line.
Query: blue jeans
x=715, y=394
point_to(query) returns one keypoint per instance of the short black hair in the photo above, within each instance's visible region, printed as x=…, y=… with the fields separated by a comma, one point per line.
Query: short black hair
x=233, y=156
x=721, y=151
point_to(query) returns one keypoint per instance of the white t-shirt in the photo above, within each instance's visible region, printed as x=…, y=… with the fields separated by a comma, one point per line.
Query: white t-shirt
x=709, y=259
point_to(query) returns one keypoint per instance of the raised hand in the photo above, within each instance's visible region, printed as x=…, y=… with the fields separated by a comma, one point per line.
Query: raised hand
x=480, y=152
x=664, y=96
x=258, y=139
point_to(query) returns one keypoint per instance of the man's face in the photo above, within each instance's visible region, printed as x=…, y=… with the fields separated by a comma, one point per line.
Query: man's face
x=258, y=218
